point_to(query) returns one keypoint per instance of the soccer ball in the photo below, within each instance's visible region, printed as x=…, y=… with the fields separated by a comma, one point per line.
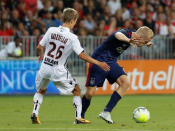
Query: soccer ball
x=141, y=115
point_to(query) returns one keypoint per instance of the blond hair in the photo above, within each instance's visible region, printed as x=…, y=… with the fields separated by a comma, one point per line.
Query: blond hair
x=145, y=32
x=69, y=14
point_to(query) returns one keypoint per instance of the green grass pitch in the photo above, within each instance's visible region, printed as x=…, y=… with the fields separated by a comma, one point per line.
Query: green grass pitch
x=56, y=113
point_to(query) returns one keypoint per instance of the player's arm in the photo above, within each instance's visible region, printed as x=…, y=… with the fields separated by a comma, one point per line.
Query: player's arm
x=40, y=52
x=80, y=52
x=42, y=44
x=120, y=36
x=149, y=44
x=89, y=59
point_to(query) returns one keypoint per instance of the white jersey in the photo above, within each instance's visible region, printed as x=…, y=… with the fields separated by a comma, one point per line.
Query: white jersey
x=59, y=43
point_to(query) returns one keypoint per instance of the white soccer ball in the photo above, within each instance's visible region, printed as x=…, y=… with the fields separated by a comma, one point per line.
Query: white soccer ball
x=141, y=115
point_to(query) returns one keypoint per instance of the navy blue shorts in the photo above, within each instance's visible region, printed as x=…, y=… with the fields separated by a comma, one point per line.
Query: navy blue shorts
x=96, y=75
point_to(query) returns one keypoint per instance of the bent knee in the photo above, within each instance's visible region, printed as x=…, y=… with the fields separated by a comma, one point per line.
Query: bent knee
x=90, y=92
x=89, y=95
x=125, y=84
x=76, y=91
x=43, y=92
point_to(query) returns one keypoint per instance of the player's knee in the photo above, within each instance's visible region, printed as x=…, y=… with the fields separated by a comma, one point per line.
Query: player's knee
x=76, y=91
x=125, y=84
x=43, y=92
x=89, y=95
x=90, y=92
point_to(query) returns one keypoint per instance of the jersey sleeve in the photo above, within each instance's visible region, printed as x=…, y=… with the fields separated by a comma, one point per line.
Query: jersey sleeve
x=77, y=47
x=45, y=38
x=126, y=32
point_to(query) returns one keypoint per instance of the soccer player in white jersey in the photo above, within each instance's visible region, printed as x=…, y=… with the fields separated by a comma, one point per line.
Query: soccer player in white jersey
x=59, y=43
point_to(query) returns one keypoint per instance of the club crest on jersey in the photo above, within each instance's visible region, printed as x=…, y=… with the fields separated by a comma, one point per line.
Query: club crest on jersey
x=92, y=81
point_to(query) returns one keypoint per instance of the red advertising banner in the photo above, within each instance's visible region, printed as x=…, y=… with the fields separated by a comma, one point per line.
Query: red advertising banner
x=146, y=77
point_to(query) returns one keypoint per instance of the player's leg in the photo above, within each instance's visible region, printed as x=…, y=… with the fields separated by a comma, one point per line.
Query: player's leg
x=96, y=77
x=117, y=75
x=68, y=85
x=41, y=86
x=123, y=83
x=86, y=99
x=77, y=103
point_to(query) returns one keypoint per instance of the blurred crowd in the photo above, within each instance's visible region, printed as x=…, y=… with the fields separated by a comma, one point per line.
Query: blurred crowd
x=97, y=17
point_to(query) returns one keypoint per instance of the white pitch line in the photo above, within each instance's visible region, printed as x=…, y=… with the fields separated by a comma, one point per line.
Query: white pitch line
x=80, y=129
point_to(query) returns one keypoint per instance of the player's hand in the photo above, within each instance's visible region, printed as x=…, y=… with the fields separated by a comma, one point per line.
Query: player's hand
x=104, y=66
x=40, y=58
x=149, y=44
x=133, y=41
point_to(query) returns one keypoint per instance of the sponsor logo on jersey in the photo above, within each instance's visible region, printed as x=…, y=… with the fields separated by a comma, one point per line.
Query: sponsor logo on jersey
x=50, y=62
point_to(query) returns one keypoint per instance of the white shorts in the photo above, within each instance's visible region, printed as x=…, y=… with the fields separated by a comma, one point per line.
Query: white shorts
x=65, y=84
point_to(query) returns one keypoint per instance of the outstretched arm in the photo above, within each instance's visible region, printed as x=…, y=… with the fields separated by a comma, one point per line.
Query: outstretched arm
x=89, y=59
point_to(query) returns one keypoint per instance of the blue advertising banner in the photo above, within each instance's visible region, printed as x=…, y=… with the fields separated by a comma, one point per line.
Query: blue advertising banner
x=18, y=77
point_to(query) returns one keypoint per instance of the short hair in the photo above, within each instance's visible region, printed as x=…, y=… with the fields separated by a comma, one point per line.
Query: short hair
x=69, y=14
x=145, y=32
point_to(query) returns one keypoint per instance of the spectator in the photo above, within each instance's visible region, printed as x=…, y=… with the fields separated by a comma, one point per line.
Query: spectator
x=4, y=16
x=82, y=32
x=172, y=22
x=13, y=49
x=30, y=5
x=106, y=15
x=58, y=6
x=161, y=27
x=148, y=21
x=149, y=7
x=30, y=15
x=111, y=27
x=119, y=18
x=135, y=15
x=77, y=6
x=10, y=4
x=142, y=9
x=6, y=29
x=15, y=17
x=127, y=24
x=48, y=20
x=56, y=21
x=114, y=5
x=42, y=12
x=21, y=10
x=170, y=27
x=100, y=31
x=100, y=5
x=160, y=10
x=27, y=21
x=40, y=5
x=138, y=24
x=36, y=32
x=173, y=7
x=89, y=24
x=126, y=14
